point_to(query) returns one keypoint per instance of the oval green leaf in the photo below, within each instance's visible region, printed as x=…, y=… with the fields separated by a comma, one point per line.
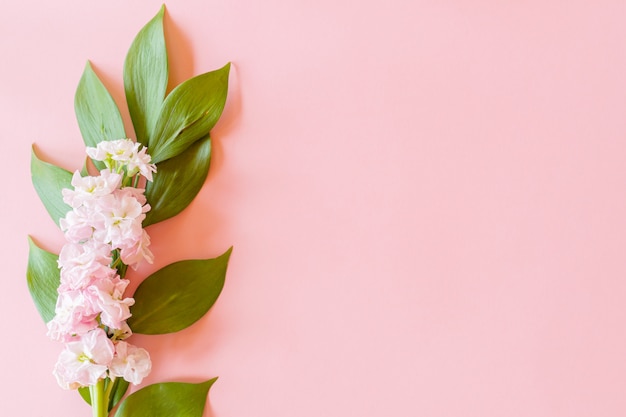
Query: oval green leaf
x=177, y=182
x=98, y=116
x=49, y=180
x=189, y=112
x=178, y=295
x=169, y=399
x=145, y=77
x=43, y=278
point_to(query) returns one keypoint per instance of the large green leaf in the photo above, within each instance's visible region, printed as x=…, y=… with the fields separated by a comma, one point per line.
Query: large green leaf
x=98, y=116
x=177, y=295
x=177, y=181
x=189, y=112
x=169, y=399
x=43, y=278
x=145, y=77
x=49, y=180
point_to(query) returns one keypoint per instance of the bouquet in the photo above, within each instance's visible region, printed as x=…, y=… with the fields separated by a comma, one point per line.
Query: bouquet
x=103, y=209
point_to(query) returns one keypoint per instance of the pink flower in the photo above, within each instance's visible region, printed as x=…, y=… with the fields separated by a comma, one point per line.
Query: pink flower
x=122, y=333
x=74, y=316
x=123, y=212
x=84, y=361
x=130, y=362
x=133, y=255
x=81, y=264
x=136, y=193
x=84, y=276
x=112, y=150
x=88, y=188
x=77, y=225
x=106, y=297
x=140, y=162
x=73, y=254
x=124, y=152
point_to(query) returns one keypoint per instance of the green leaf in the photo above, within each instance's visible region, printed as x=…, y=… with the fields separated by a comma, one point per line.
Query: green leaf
x=98, y=116
x=120, y=386
x=145, y=77
x=189, y=112
x=177, y=181
x=49, y=180
x=84, y=392
x=43, y=278
x=167, y=399
x=177, y=295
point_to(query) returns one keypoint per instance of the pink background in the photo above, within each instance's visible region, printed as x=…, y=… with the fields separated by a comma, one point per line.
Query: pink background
x=427, y=202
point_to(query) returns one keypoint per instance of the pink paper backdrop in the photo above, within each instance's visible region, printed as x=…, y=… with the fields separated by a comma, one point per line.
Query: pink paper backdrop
x=427, y=201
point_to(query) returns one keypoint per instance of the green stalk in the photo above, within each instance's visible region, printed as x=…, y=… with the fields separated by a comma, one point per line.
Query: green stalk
x=99, y=401
x=111, y=385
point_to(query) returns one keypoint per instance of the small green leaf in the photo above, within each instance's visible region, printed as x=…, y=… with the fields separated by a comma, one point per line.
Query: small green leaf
x=49, y=180
x=145, y=77
x=189, y=112
x=169, y=399
x=177, y=295
x=43, y=278
x=98, y=116
x=84, y=392
x=177, y=181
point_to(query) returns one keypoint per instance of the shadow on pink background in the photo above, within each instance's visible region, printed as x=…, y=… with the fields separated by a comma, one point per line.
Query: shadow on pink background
x=426, y=200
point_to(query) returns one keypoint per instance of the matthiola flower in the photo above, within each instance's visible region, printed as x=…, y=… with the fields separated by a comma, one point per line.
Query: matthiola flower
x=73, y=254
x=120, y=153
x=112, y=150
x=135, y=193
x=140, y=162
x=82, y=264
x=120, y=334
x=106, y=297
x=122, y=213
x=133, y=255
x=87, y=189
x=74, y=316
x=85, y=360
x=78, y=224
x=102, y=229
x=130, y=362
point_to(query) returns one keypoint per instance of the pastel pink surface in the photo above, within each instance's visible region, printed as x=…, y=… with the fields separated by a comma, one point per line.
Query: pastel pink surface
x=426, y=202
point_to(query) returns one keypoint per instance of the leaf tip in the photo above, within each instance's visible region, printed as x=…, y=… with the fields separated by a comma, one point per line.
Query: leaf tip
x=227, y=253
x=34, y=159
x=209, y=383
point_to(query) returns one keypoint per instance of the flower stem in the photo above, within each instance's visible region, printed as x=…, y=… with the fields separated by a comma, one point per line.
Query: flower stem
x=98, y=401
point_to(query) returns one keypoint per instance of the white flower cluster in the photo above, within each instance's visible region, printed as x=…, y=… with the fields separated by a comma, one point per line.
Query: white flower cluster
x=104, y=233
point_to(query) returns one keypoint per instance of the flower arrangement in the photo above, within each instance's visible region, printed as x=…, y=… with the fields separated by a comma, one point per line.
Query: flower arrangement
x=103, y=209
